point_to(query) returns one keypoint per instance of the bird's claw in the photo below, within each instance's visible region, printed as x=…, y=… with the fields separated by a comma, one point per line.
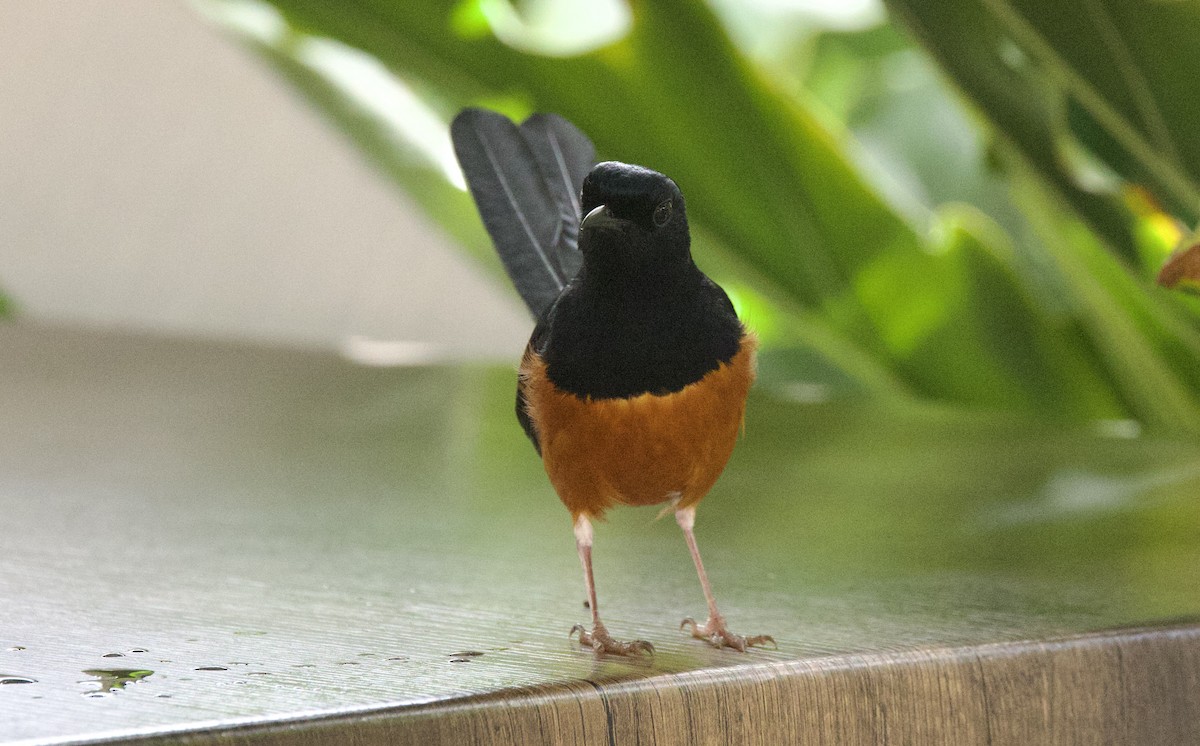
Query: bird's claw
x=714, y=633
x=601, y=643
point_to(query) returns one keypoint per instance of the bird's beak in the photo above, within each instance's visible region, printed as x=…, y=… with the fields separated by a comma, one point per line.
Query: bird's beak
x=601, y=218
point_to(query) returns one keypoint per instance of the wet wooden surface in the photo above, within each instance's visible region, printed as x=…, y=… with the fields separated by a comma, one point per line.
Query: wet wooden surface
x=249, y=545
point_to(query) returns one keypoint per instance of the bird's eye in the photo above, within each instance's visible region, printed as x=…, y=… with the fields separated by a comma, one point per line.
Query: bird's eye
x=662, y=213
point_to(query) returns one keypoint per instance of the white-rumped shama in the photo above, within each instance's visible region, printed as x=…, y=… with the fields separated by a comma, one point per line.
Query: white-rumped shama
x=633, y=385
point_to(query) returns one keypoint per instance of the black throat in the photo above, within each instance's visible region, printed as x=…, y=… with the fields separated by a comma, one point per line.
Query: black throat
x=616, y=335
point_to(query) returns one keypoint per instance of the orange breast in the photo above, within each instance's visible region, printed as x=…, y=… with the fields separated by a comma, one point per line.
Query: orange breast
x=642, y=450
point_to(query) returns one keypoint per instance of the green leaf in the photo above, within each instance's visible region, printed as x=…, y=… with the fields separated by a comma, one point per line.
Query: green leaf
x=1028, y=355
x=1060, y=78
x=1149, y=348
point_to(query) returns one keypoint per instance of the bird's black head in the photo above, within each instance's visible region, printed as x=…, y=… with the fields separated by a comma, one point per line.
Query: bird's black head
x=634, y=220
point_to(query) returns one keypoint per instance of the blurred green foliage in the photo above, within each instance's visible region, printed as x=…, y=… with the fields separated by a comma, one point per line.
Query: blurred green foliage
x=991, y=247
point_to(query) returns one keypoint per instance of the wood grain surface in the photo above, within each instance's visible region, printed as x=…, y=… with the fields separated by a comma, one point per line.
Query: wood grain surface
x=1127, y=687
x=213, y=543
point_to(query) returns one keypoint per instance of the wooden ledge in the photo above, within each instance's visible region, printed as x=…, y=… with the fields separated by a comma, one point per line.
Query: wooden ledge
x=1133, y=686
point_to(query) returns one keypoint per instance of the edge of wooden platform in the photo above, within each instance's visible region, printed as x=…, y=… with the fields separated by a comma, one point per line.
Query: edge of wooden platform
x=1136, y=685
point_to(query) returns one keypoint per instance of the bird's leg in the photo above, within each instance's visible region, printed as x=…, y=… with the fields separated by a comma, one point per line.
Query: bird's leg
x=712, y=631
x=598, y=638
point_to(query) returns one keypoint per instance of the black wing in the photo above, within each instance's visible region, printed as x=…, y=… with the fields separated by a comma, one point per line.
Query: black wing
x=526, y=183
x=536, y=342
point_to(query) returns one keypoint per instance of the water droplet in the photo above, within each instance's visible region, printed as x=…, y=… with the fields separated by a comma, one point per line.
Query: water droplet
x=114, y=655
x=10, y=679
x=16, y=648
x=112, y=680
x=466, y=654
x=212, y=668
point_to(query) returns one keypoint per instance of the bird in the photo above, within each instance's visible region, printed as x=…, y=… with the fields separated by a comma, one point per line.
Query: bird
x=633, y=385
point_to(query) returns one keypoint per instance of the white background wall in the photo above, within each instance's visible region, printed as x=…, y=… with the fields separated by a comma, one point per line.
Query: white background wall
x=156, y=176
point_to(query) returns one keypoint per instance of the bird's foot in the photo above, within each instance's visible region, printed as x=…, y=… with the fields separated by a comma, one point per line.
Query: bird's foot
x=714, y=633
x=600, y=642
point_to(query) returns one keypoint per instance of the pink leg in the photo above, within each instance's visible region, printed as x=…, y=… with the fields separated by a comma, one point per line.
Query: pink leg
x=598, y=639
x=712, y=631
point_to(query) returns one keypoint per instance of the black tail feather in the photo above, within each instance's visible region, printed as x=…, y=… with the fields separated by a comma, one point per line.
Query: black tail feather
x=564, y=156
x=526, y=182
